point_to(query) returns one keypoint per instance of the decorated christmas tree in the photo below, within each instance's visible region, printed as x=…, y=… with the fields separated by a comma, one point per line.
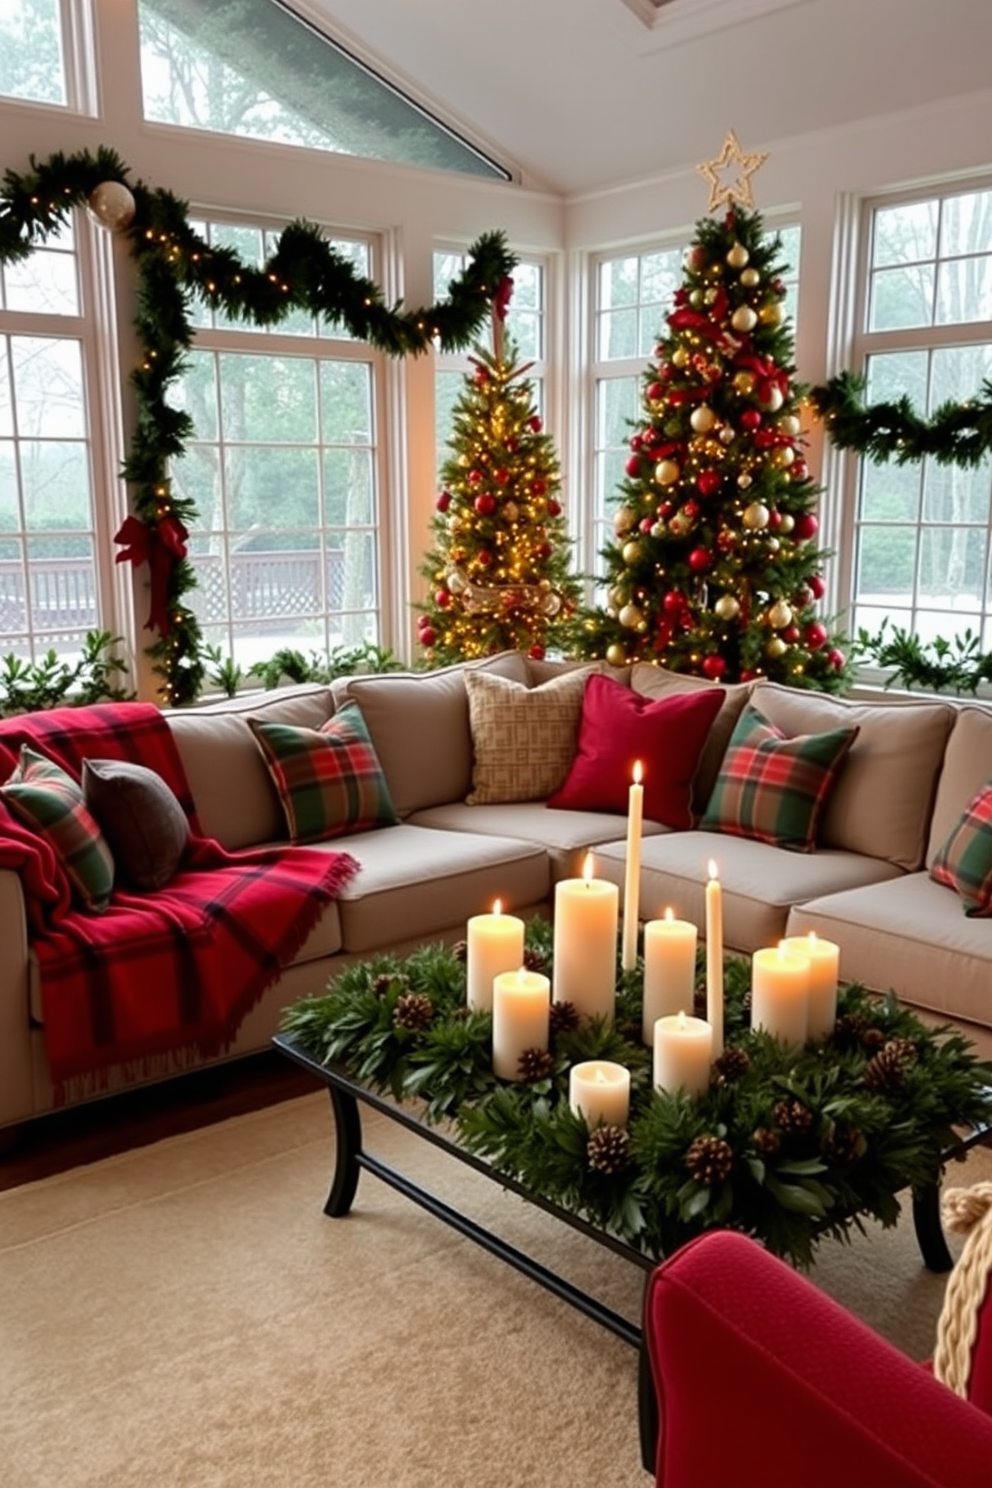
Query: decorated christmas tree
x=498, y=574
x=714, y=568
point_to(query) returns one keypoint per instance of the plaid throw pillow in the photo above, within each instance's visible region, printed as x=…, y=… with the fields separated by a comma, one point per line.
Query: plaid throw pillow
x=773, y=788
x=329, y=780
x=46, y=799
x=964, y=862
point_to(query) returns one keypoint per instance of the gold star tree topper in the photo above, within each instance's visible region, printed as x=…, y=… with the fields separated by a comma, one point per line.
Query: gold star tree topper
x=730, y=174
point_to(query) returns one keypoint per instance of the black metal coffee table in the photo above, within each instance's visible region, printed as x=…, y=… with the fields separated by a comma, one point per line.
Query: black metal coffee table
x=351, y=1157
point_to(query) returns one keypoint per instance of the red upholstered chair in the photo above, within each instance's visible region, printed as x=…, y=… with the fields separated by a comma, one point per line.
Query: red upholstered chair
x=762, y=1381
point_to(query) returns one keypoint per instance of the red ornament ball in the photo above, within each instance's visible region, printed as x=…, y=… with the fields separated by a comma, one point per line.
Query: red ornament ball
x=691, y=510
x=714, y=667
x=656, y=391
x=816, y=586
x=536, y=653
x=708, y=482
x=646, y=523
x=481, y=376
x=815, y=635
x=747, y=675
x=442, y=598
x=672, y=602
x=539, y=486
x=428, y=635
x=836, y=659
x=545, y=550
x=443, y=501
x=636, y=440
x=535, y=424
x=501, y=476
x=474, y=477
x=633, y=466
x=553, y=507
x=485, y=558
x=774, y=520
x=750, y=420
x=799, y=470
x=700, y=559
x=791, y=634
x=485, y=505
x=806, y=527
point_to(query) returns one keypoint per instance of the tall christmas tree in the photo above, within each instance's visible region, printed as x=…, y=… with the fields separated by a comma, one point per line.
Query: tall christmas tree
x=714, y=568
x=499, y=573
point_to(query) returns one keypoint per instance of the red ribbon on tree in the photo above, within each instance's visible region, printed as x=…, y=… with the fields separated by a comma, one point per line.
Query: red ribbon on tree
x=768, y=373
x=160, y=545
x=503, y=296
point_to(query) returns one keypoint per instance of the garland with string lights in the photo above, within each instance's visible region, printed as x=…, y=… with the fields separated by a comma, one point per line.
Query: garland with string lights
x=955, y=434
x=304, y=272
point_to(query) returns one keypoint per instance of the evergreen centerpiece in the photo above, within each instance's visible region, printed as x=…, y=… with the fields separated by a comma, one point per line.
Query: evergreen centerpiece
x=498, y=574
x=714, y=568
x=789, y=1145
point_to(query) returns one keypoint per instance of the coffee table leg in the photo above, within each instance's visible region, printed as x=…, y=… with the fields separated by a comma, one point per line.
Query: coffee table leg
x=348, y=1133
x=929, y=1230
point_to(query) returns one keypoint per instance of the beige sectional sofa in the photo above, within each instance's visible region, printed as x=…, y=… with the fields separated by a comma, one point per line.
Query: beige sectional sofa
x=907, y=778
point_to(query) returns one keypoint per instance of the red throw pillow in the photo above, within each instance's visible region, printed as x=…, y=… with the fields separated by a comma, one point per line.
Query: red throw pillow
x=619, y=726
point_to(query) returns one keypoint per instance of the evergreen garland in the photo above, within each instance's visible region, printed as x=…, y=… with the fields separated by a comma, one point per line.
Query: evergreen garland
x=787, y=1145
x=173, y=261
x=955, y=434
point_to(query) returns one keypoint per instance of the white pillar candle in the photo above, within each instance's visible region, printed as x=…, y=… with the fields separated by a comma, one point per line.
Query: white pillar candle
x=495, y=943
x=521, y=1011
x=683, y=1054
x=632, y=871
x=824, y=973
x=780, y=993
x=585, y=944
x=714, y=959
x=669, y=970
x=600, y=1091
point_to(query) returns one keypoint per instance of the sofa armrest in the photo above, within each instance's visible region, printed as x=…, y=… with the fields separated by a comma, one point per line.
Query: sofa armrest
x=763, y=1380
x=16, y=1084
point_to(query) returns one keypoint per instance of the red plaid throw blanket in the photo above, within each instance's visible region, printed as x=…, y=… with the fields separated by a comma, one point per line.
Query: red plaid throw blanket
x=166, y=973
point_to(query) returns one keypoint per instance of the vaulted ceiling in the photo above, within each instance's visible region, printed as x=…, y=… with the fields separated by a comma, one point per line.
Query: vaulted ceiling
x=575, y=95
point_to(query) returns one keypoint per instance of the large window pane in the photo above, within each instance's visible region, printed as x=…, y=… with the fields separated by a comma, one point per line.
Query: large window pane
x=32, y=64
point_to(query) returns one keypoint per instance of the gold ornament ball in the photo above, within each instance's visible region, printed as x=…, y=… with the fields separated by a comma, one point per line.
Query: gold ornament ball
x=550, y=605
x=511, y=511
x=780, y=615
x=737, y=256
x=773, y=399
x=789, y=424
x=750, y=278
x=111, y=205
x=618, y=597
x=696, y=299
x=615, y=654
x=787, y=523
x=726, y=435
x=744, y=318
x=658, y=530
x=631, y=553
x=775, y=647
x=772, y=313
x=726, y=607
x=744, y=480
x=624, y=520
x=455, y=580
x=744, y=383
x=680, y=357
x=772, y=545
x=755, y=516
x=666, y=472
x=702, y=418
x=641, y=627
x=630, y=617
x=464, y=461
x=783, y=457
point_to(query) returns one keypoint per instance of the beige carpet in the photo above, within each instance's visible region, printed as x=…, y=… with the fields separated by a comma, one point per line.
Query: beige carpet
x=184, y=1316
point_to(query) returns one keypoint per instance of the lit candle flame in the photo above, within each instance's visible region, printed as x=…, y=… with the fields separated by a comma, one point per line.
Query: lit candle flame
x=713, y=872
x=587, y=867
x=681, y=1021
x=497, y=906
x=669, y=913
x=637, y=772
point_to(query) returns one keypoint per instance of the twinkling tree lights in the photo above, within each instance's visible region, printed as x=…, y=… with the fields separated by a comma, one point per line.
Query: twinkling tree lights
x=498, y=574
x=714, y=568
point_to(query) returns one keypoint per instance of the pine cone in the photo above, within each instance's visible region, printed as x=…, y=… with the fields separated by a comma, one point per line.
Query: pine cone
x=534, y=960
x=413, y=1011
x=709, y=1160
x=849, y=1030
x=460, y=950
x=793, y=1117
x=885, y=1071
x=732, y=1065
x=843, y=1143
x=564, y=1018
x=608, y=1149
x=766, y=1140
x=387, y=981
x=872, y=1038
x=535, y=1064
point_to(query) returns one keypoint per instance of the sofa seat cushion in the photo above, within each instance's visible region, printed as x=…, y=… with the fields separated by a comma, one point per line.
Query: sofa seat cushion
x=760, y=882
x=414, y=881
x=567, y=835
x=911, y=935
x=325, y=939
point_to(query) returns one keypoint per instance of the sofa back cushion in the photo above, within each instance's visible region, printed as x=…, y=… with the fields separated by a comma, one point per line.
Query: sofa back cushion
x=419, y=726
x=232, y=790
x=655, y=681
x=967, y=765
x=883, y=798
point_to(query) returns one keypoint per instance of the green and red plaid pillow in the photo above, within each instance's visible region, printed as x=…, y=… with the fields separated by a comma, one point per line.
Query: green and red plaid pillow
x=330, y=781
x=964, y=862
x=48, y=801
x=774, y=788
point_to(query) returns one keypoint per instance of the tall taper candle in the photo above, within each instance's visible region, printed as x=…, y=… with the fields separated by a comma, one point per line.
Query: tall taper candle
x=714, y=959
x=632, y=874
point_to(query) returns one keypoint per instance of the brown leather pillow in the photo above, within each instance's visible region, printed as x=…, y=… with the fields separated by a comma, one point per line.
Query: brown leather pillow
x=139, y=815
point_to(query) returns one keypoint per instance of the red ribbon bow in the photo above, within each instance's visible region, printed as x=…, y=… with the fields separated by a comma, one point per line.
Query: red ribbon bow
x=160, y=545
x=503, y=296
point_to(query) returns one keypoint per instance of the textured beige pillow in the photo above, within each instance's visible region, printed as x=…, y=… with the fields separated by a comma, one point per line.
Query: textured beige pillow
x=523, y=739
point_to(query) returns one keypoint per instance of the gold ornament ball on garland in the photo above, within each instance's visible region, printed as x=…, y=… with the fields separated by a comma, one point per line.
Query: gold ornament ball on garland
x=630, y=617
x=780, y=615
x=755, y=516
x=111, y=205
x=737, y=256
x=727, y=607
x=702, y=418
x=750, y=278
x=775, y=647
x=615, y=654
x=666, y=472
x=632, y=554
x=744, y=319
